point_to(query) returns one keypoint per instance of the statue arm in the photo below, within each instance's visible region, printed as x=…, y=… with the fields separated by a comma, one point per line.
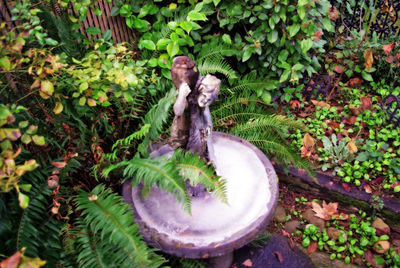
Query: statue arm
x=181, y=102
x=207, y=120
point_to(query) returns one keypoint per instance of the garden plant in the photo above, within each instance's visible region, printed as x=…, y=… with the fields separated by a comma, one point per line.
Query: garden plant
x=79, y=112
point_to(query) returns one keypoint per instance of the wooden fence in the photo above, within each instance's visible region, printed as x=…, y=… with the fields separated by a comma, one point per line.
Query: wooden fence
x=120, y=31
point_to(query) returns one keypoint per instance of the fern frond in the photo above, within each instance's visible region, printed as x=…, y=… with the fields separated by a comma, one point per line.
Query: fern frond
x=187, y=263
x=215, y=64
x=249, y=84
x=275, y=147
x=215, y=50
x=197, y=171
x=137, y=135
x=269, y=124
x=108, y=216
x=157, y=117
x=240, y=109
x=160, y=171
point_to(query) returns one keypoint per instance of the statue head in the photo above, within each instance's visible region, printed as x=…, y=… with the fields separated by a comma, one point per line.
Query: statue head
x=184, y=70
x=208, y=90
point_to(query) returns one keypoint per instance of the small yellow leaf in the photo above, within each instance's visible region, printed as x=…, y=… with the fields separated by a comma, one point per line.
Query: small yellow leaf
x=308, y=141
x=352, y=147
x=46, y=89
x=58, y=109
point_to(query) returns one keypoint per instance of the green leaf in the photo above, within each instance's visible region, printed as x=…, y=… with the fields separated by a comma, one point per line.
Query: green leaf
x=51, y=42
x=194, y=15
x=26, y=139
x=298, y=67
x=186, y=25
x=25, y=187
x=227, y=39
x=162, y=43
x=129, y=21
x=23, y=200
x=125, y=11
x=93, y=30
x=246, y=55
x=83, y=86
x=148, y=44
x=173, y=48
x=285, y=75
x=82, y=101
x=306, y=45
x=107, y=35
x=396, y=189
x=283, y=55
x=301, y=3
x=97, y=11
x=114, y=11
x=293, y=29
x=326, y=22
x=38, y=140
x=141, y=25
x=302, y=12
x=272, y=36
x=23, y=124
x=367, y=76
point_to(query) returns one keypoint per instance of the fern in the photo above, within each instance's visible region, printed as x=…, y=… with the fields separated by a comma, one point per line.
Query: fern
x=109, y=218
x=215, y=64
x=238, y=109
x=195, y=169
x=250, y=83
x=272, y=144
x=157, y=117
x=158, y=171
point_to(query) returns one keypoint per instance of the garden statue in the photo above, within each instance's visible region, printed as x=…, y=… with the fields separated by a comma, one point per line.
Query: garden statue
x=192, y=125
x=214, y=229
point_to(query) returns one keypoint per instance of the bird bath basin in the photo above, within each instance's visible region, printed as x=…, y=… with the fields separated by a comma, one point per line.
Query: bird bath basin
x=214, y=228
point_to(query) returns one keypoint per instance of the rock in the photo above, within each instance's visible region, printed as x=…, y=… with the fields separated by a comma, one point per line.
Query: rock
x=309, y=216
x=291, y=226
x=381, y=227
x=333, y=233
x=381, y=246
x=280, y=214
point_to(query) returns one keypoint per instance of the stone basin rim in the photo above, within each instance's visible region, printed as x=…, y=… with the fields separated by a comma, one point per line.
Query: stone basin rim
x=180, y=249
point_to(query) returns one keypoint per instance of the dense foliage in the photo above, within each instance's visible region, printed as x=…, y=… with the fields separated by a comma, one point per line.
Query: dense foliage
x=78, y=115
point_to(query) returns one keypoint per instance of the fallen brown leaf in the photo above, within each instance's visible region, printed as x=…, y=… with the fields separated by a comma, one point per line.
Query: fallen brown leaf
x=366, y=103
x=352, y=147
x=308, y=141
x=367, y=188
x=320, y=103
x=327, y=211
x=355, y=82
x=312, y=247
x=338, y=69
x=369, y=59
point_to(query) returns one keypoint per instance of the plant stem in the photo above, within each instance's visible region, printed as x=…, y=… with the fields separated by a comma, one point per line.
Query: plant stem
x=27, y=95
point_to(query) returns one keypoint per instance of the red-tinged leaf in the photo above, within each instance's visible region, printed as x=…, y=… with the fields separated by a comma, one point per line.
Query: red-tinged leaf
x=370, y=258
x=286, y=234
x=366, y=103
x=346, y=187
x=369, y=59
x=312, y=247
x=351, y=120
x=388, y=48
x=279, y=256
x=12, y=262
x=318, y=35
x=248, y=263
x=294, y=104
x=389, y=59
x=355, y=82
x=377, y=180
x=59, y=164
x=333, y=13
x=291, y=244
x=338, y=69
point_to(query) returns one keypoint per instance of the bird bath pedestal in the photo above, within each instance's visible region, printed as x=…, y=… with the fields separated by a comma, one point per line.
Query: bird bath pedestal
x=214, y=230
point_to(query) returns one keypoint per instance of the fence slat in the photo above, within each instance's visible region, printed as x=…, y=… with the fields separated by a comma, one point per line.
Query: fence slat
x=120, y=32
